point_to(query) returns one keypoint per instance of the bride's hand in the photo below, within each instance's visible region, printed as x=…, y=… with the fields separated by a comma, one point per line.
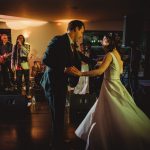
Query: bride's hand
x=79, y=73
x=73, y=70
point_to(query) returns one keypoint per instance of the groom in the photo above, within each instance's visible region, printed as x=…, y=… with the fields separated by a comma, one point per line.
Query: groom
x=60, y=56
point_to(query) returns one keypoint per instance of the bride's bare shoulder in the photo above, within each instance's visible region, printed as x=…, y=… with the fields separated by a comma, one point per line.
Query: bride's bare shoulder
x=107, y=58
x=109, y=55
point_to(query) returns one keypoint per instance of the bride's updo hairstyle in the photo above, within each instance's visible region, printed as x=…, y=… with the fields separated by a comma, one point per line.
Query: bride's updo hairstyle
x=114, y=42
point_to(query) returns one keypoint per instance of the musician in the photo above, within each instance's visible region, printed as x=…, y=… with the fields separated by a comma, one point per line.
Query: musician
x=37, y=73
x=36, y=68
x=6, y=74
x=20, y=64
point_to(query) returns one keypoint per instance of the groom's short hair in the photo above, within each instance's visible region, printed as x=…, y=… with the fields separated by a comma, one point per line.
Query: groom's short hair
x=75, y=23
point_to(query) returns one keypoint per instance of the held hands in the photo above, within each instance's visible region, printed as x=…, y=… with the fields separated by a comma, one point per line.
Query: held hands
x=73, y=70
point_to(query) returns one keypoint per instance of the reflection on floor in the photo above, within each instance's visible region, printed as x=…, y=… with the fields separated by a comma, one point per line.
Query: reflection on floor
x=31, y=129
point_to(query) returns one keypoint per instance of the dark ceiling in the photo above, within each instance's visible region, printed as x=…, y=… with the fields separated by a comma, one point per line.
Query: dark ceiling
x=91, y=10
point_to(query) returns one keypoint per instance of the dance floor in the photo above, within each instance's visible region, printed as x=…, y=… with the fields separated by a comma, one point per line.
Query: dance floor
x=31, y=129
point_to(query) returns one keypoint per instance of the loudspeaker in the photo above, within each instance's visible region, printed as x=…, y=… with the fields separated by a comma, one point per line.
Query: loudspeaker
x=142, y=96
x=145, y=87
x=132, y=29
x=12, y=104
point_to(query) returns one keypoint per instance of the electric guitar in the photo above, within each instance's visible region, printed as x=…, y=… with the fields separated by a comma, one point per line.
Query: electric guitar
x=4, y=57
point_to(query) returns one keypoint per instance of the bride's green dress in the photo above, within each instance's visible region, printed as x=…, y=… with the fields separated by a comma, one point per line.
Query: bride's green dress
x=115, y=122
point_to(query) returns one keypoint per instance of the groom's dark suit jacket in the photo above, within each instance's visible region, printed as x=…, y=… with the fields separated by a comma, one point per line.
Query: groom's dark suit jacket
x=57, y=57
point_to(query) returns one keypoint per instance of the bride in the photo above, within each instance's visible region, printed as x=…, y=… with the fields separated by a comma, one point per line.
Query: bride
x=114, y=122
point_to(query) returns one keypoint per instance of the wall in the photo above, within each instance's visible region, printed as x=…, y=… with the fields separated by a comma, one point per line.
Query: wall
x=40, y=36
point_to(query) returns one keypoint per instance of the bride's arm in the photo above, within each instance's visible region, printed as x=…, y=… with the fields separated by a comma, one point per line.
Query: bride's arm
x=105, y=64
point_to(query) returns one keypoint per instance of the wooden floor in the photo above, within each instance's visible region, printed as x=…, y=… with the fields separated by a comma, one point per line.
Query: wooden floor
x=31, y=129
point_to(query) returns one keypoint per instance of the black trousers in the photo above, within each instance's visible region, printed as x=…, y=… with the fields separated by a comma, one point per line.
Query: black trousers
x=6, y=75
x=57, y=102
x=19, y=75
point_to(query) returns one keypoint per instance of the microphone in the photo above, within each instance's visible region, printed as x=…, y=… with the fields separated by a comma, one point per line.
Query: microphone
x=18, y=43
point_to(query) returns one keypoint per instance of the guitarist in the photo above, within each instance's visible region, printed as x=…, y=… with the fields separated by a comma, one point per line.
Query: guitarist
x=6, y=74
